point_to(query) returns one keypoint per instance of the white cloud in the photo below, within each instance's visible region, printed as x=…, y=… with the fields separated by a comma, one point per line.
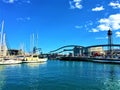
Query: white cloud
x=112, y=22
x=78, y=27
x=115, y=5
x=104, y=20
x=103, y=27
x=23, y=19
x=9, y=1
x=26, y=1
x=117, y=34
x=98, y=8
x=75, y=4
x=18, y=1
x=94, y=30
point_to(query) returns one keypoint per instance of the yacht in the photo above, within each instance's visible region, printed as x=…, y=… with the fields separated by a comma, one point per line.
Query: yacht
x=9, y=61
x=3, y=49
x=34, y=59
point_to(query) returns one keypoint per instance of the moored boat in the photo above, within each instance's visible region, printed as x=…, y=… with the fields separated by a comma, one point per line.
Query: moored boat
x=9, y=61
x=34, y=59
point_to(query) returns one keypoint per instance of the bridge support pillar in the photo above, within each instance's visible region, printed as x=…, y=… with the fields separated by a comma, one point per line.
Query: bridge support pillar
x=86, y=53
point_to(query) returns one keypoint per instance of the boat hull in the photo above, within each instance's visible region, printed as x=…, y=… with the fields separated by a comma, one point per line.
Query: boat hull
x=36, y=60
x=9, y=62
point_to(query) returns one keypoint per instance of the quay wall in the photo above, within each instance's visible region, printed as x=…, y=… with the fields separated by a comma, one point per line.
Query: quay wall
x=97, y=60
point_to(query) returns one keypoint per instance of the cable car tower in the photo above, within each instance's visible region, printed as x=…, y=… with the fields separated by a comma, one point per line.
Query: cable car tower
x=110, y=43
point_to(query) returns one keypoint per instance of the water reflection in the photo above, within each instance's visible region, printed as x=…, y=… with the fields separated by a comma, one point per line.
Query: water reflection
x=13, y=66
x=2, y=77
x=33, y=65
x=2, y=68
x=110, y=84
x=106, y=76
x=2, y=81
x=112, y=81
x=59, y=74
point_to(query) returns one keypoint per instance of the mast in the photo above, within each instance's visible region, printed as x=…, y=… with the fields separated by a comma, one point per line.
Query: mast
x=37, y=41
x=1, y=42
x=33, y=42
x=4, y=39
x=1, y=37
x=4, y=45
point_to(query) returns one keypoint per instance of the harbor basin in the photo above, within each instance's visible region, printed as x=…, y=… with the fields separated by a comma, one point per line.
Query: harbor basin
x=60, y=75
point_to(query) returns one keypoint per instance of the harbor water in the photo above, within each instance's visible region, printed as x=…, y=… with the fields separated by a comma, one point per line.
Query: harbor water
x=60, y=75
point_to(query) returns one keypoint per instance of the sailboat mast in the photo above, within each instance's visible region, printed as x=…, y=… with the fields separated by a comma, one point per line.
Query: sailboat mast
x=4, y=39
x=4, y=45
x=33, y=42
x=1, y=41
x=1, y=37
x=37, y=41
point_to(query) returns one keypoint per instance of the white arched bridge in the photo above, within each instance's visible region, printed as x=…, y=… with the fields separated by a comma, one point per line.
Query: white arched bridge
x=65, y=48
x=84, y=49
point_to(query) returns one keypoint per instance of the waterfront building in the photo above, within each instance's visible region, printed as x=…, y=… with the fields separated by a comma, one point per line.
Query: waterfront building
x=77, y=51
x=13, y=52
x=97, y=50
x=71, y=55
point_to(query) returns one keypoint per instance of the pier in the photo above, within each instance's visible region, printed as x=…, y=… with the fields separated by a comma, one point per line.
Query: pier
x=91, y=59
x=105, y=53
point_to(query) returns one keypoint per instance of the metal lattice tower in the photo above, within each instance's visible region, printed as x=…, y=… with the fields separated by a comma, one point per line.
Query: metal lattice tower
x=110, y=42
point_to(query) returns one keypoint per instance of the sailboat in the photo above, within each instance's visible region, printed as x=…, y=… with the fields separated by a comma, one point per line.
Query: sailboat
x=34, y=57
x=3, y=50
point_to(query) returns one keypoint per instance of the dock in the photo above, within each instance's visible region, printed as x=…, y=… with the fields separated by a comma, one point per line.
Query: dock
x=91, y=59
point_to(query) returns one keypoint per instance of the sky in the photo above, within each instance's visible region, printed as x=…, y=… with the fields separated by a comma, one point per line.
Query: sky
x=56, y=23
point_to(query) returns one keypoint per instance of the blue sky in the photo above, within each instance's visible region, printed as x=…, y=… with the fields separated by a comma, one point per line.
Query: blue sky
x=59, y=22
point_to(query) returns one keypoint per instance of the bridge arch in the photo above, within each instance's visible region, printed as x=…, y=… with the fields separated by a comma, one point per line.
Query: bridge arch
x=66, y=46
x=84, y=50
x=103, y=45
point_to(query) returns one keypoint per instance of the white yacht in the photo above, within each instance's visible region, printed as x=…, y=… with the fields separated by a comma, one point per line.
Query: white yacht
x=9, y=61
x=3, y=50
x=34, y=59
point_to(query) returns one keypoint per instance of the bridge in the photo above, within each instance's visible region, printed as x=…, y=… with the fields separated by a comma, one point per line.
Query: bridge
x=106, y=49
x=80, y=50
x=63, y=48
x=104, y=45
